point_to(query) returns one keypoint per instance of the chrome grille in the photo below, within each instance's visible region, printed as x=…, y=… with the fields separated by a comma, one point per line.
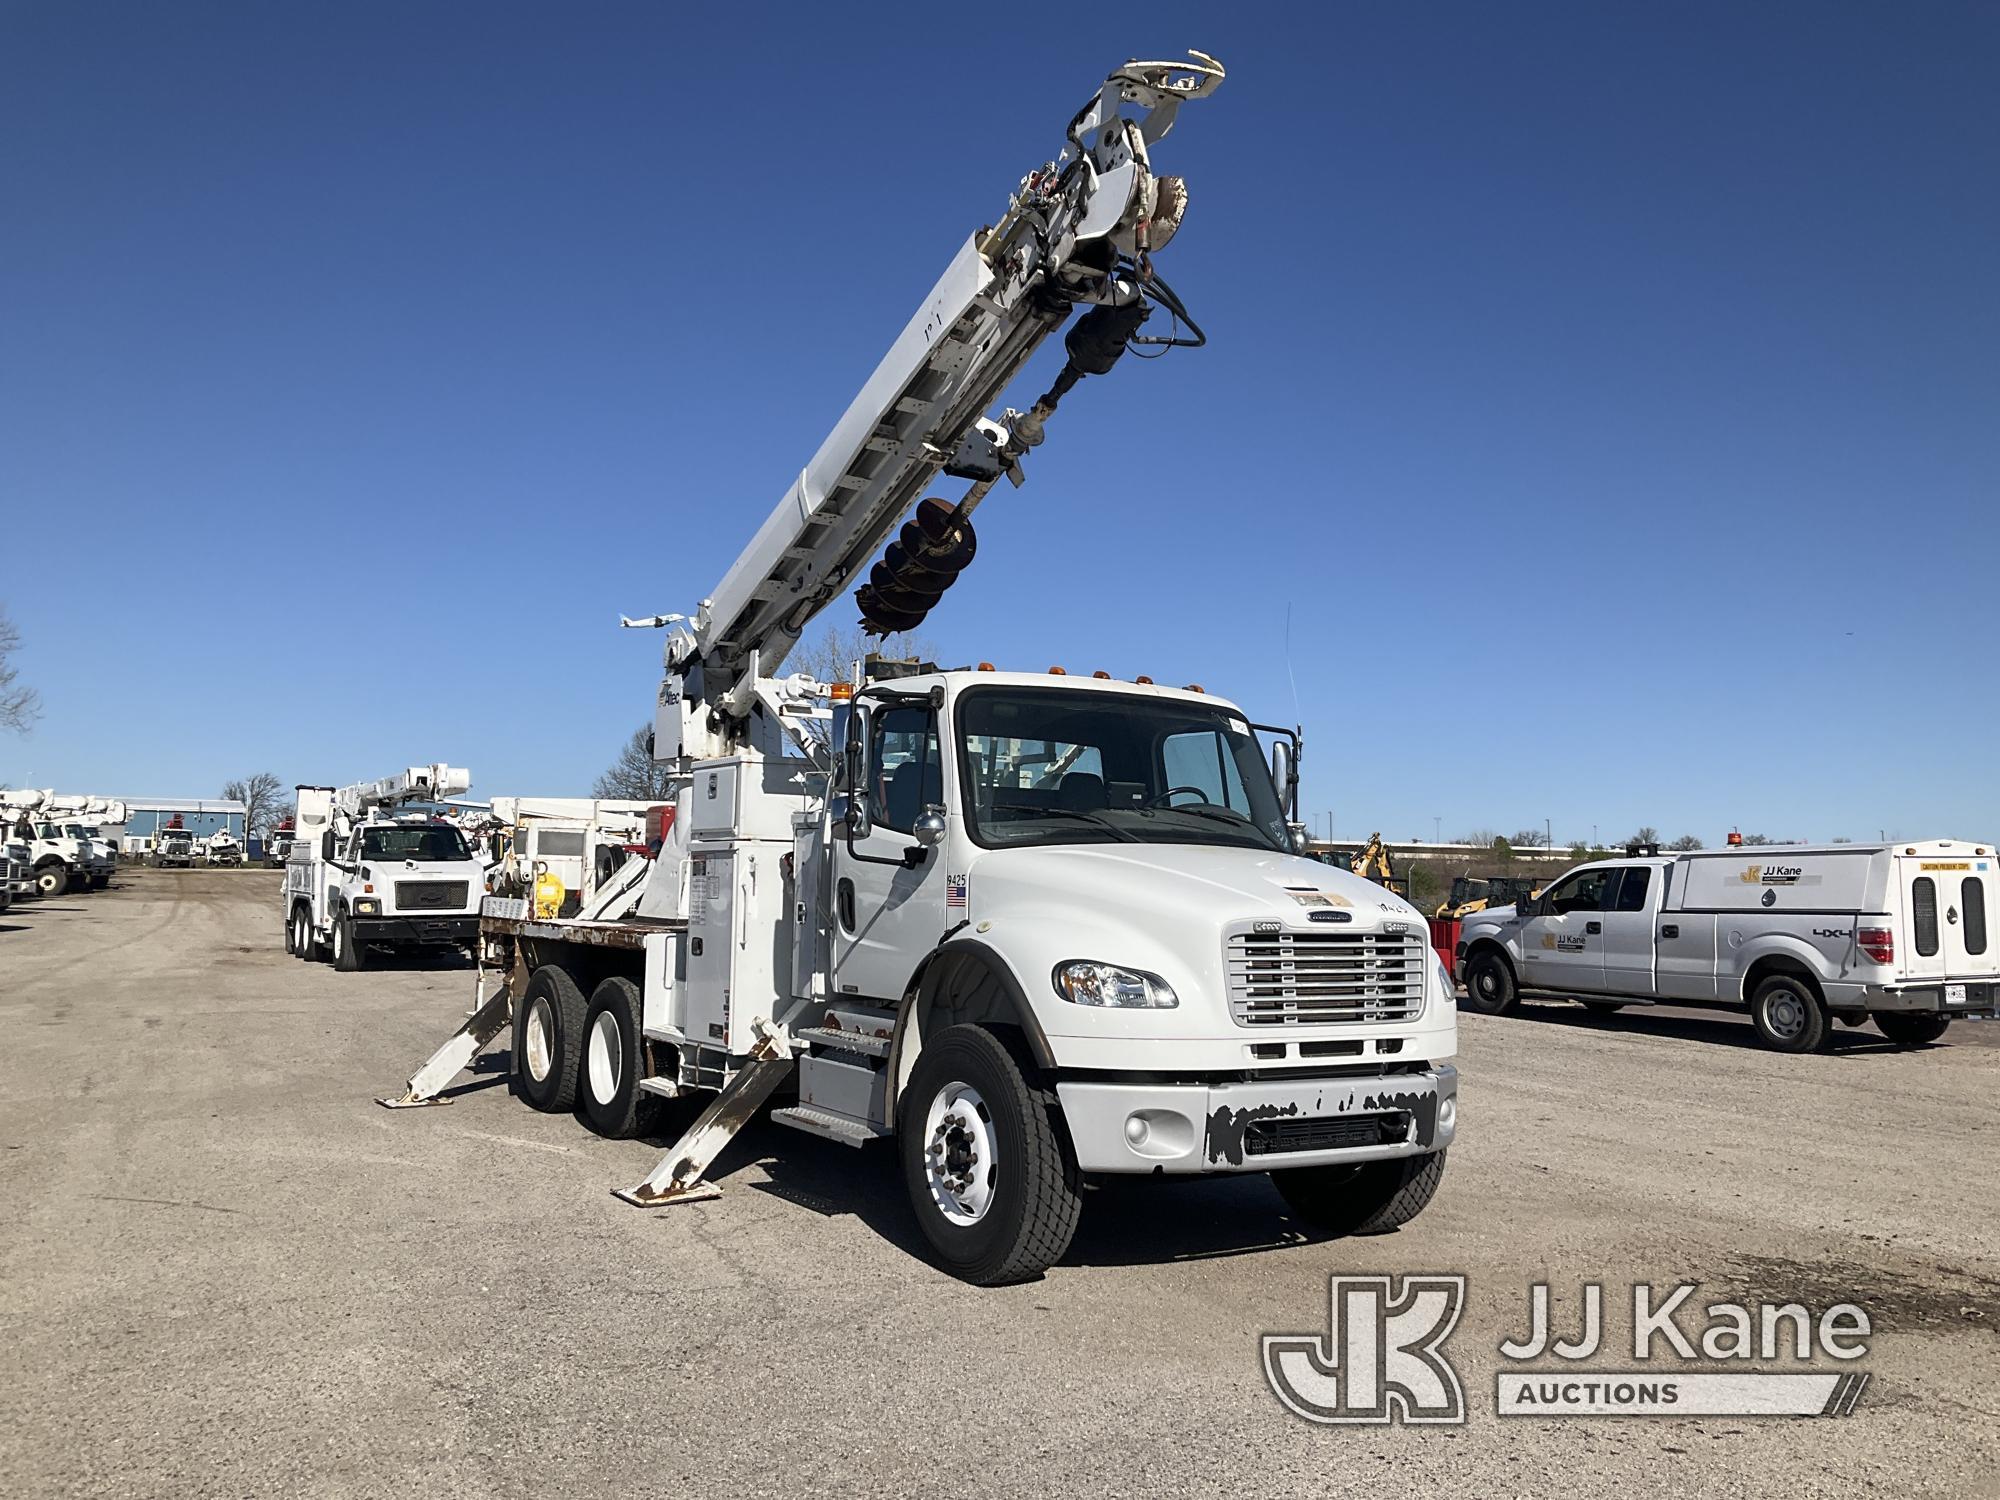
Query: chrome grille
x=430, y=895
x=1306, y=978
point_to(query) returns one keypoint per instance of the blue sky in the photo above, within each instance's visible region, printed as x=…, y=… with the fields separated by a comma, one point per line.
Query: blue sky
x=1608, y=392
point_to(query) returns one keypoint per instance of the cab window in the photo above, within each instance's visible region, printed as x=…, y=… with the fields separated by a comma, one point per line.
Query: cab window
x=1583, y=891
x=1201, y=761
x=906, y=773
x=1630, y=894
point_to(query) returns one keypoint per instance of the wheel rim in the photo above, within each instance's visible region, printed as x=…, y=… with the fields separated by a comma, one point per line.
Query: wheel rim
x=961, y=1156
x=1486, y=981
x=540, y=1030
x=339, y=942
x=605, y=1058
x=1785, y=1015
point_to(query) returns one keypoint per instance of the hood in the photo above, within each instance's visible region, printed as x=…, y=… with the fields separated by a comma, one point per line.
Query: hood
x=1200, y=883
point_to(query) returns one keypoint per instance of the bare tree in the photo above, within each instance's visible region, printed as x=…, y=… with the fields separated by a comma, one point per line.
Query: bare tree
x=635, y=776
x=831, y=658
x=19, y=706
x=1684, y=843
x=1645, y=836
x=1479, y=837
x=260, y=796
x=1529, y=838
x=1756, y=840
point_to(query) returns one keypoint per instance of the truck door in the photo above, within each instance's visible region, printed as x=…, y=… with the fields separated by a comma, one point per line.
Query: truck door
x=1564, y=950
x=1928, y=891
x=1629, y=910
x=1950, y=919
x=889, y=905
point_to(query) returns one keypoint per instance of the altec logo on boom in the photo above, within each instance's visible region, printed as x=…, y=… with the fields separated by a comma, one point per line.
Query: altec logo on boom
x=1382, y=1358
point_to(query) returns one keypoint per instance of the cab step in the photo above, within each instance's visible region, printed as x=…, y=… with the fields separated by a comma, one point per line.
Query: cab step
x=842, y=1128
x=859, y=1042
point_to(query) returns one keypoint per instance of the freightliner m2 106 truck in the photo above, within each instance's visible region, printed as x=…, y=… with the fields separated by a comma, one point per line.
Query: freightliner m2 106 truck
x=1030, y=927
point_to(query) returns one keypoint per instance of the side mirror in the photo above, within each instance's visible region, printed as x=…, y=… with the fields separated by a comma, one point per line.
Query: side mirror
x=1285, y=775
x=930, y=828
x=1301, y=837
x=326, y=845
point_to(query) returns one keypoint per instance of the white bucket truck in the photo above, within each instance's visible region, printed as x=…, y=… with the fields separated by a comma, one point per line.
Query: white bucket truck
x=63, y=861
x=1902, y=934
x=368, y=871
x=1033, y=927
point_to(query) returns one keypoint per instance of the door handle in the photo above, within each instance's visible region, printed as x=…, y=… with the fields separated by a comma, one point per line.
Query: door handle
x=844, y=904
x=1671, y=930
x=1593, y=927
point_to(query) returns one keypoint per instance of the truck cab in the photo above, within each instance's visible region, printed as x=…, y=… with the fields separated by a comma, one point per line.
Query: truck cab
x=1101, y=876
x=99, y=861
x=368, y=872
x=174, y=847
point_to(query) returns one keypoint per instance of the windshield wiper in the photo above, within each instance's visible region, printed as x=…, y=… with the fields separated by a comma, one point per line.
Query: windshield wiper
x=1227, y=815
x=1076, y=812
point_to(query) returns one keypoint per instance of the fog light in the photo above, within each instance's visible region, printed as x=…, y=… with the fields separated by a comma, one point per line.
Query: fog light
x=1136, y=1130
x=1447, y=1114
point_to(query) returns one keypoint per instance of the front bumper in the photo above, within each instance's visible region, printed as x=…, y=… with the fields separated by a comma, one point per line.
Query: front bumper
x=1259, y=1126
x=417, y=931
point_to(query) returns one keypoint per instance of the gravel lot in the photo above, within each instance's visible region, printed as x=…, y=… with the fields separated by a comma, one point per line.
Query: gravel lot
x=225, y=1271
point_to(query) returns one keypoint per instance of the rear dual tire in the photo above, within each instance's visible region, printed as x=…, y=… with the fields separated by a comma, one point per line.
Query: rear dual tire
x=548, y=1039
x=612, y=1060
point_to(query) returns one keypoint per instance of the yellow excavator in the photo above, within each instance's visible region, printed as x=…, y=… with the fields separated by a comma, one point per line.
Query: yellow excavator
x=1372, y=863
x=1475, y=893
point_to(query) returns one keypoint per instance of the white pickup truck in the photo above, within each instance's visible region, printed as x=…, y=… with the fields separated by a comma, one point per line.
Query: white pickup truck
x=1900, y=933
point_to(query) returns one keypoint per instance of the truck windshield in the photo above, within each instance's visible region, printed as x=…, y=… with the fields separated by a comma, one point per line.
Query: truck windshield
x=413, y=841
x=1058, y=766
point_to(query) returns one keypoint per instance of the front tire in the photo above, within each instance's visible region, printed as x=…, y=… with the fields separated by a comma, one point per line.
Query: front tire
x=1788, y=1015
x=993, y=1189
x=548, y=1037
x=51, y=880
x=1911, y=1028
x=1489, y=984
x=349, y=957
x=1370, y=1197
x=614, y=1060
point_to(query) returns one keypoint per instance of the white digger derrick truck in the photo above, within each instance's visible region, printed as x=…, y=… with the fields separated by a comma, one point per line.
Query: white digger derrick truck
x=1030, y=926
x=367, y=870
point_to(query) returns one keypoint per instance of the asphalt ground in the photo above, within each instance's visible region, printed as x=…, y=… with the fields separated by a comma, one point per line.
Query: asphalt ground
x=225, y=1271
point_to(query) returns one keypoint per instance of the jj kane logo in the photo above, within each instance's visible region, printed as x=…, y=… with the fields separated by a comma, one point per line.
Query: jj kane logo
x=1382, y=1357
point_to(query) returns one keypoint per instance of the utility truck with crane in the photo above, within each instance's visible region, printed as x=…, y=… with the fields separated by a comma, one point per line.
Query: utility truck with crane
x=371, y=868
x=63, y=860
x=1031, y=927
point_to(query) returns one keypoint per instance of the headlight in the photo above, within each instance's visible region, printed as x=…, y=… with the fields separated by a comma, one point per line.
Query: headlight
x=367, y=908
x=1085, y=982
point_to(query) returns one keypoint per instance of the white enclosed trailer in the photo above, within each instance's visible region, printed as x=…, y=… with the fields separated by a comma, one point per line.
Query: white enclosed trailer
x=1032, y=927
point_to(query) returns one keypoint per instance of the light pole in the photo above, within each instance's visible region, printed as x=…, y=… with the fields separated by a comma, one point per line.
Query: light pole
x=1437, y=828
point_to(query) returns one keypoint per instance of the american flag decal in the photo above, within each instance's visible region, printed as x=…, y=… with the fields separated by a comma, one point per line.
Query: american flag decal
x=954, y=892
